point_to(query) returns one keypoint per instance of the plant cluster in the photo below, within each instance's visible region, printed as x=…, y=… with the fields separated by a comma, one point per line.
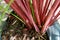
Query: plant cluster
x=35, y=13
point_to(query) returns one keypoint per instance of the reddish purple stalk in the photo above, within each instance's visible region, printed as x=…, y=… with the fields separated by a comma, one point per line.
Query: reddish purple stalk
x=19, y=12
x=45, y=26
x=28, y=14
x=29, y=17
x=45, y=9
x=53, y=20
x=36, y=12
x=22, y=8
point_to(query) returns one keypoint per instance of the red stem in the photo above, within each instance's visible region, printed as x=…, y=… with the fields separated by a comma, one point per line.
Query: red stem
x=19, y=12
x=45, y=9
x=53, y=20
x=40, y=9
x=36, y=12
x=24, y=2
x=28, y=14
x=45, y=26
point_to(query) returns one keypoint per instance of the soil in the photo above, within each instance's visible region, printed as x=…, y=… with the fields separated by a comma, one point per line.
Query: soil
x=16, y=30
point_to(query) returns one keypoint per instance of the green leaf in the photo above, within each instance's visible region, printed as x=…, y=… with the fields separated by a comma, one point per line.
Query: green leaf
x=17, y=17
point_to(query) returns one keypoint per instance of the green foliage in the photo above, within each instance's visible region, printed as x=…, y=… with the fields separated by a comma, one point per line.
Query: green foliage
x=4, y=8
x=17, y=17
